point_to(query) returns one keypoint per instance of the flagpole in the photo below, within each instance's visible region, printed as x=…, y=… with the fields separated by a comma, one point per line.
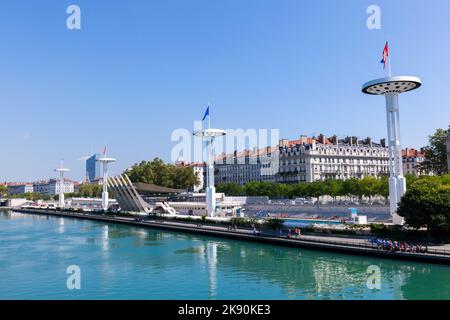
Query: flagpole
x=389, y=62
x=209, y=117
x=389, y=56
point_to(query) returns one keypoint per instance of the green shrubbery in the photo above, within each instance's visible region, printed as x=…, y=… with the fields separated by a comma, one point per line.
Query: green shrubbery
x=427, y=204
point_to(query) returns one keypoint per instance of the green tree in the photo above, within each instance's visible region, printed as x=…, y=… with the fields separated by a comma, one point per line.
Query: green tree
x=351, y=188
x=436, y=152
x=89, y=190
x=334, y=188
x=232, y=189
x=163, y=174
x=383, y=187
x=426, y=203
x=300, y=190
x=369, y=187
x=316, y=189
x=3, y=190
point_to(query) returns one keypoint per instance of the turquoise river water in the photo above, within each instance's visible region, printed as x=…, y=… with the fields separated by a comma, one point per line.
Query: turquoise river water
x=125, y=262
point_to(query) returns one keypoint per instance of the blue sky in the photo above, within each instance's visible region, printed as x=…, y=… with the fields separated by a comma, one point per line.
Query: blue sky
x=140, y=69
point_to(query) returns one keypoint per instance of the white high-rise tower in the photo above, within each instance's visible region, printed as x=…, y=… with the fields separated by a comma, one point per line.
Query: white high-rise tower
x=209, y=135
x=61, y=170
x=391, y=87
x=104, y=160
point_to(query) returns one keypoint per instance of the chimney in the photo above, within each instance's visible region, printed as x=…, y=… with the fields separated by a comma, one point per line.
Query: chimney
x=333, y=139
x=322, y=139
x=383, y=143
x=284, y=143
x=303, y=139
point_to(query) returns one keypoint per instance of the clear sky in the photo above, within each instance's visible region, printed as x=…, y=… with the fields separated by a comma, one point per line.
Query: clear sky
x=137, y=70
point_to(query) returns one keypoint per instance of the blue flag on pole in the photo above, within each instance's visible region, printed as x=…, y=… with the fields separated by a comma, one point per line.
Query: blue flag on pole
x=206, y=114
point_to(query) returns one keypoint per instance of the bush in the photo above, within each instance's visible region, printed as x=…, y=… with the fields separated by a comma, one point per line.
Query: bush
x=274, y=223
x=426, y=203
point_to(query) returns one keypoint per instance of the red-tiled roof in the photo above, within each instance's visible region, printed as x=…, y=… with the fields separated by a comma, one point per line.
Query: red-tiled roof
x=411, y=153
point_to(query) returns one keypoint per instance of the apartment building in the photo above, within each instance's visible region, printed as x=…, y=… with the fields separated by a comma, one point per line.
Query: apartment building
x=311, y=159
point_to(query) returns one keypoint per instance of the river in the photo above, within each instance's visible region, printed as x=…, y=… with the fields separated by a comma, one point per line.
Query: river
x=126, y=262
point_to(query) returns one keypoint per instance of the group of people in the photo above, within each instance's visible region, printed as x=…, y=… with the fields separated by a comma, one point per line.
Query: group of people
x=232, y=227
x=396, y=246
x=295, y=233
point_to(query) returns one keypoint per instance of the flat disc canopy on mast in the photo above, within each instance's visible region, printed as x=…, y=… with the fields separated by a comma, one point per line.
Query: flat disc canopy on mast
x=107, y=160
x=391, y=85
x=207, y=133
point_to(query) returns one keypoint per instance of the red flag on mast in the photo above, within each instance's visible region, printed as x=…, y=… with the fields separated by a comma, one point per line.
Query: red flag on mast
x=385, y=55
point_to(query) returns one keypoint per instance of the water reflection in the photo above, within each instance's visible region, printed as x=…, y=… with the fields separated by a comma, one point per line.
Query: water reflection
x=307, y=274
x=61, y=225
x=211, y=259
x=301, y=273
x=184, y=265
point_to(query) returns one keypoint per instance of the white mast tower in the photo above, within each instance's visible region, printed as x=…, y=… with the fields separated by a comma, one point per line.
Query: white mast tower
x=105, y=161
x=391, y=87
x=61, y=170
x=209, y=135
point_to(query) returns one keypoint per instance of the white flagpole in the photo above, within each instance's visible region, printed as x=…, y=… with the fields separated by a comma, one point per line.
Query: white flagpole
x=389, y=62
x=389, y=56
x=209, y=117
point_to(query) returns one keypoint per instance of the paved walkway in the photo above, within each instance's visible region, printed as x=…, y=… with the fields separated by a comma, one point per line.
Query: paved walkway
x=330, y=239
x=347, y=244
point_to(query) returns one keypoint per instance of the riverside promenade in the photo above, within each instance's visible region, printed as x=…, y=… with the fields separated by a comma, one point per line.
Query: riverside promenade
x=353, y=246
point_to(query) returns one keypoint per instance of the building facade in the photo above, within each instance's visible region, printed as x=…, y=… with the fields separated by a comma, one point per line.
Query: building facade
x=14, y=189
x=412, y=159
x=248, y=165
x=313, y=159
x=93, y=168
x=200, y=172
x=305, y=160
x=199, y=169
x=52, y=187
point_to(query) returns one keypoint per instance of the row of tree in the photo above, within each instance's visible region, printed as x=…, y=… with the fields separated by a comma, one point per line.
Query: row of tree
x=163, y=174
x=367, y=187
